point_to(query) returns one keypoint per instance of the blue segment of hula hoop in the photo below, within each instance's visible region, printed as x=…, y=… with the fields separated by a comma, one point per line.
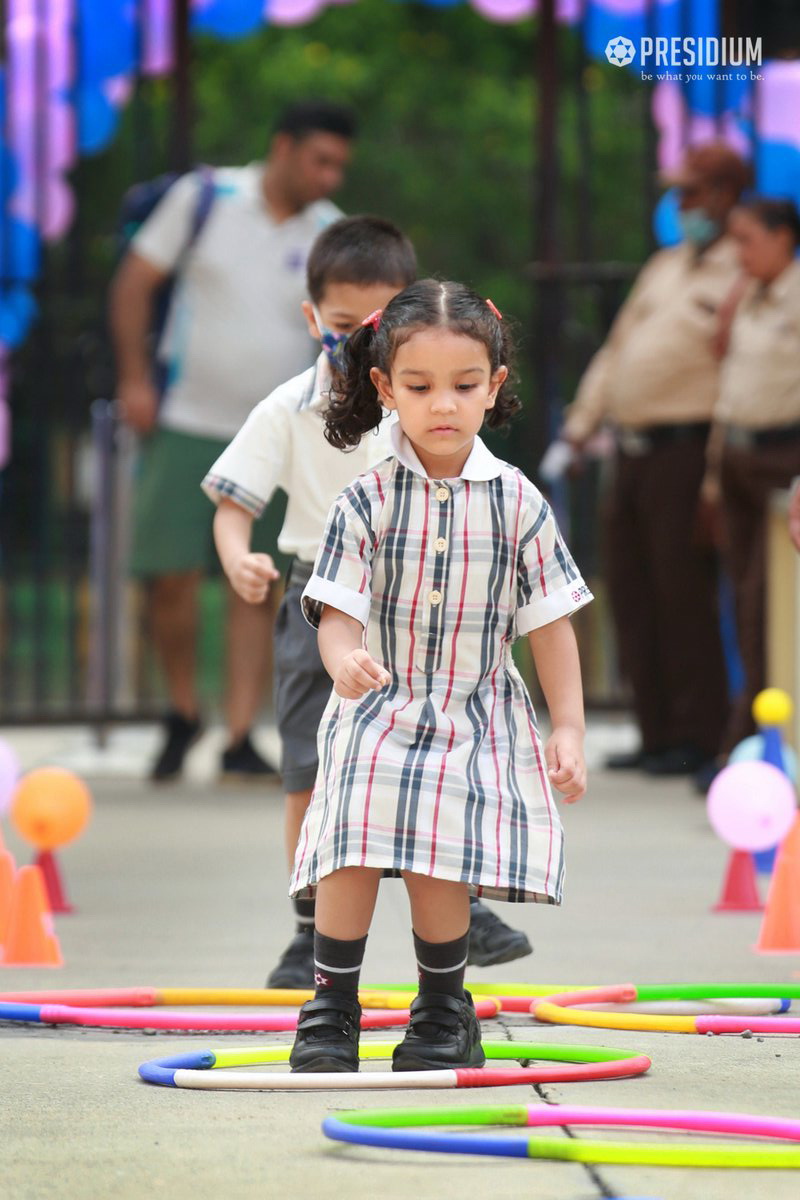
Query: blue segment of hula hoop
x=20, y=1012
x=785, y=1006
x=162, y=1070
x=409, y=1139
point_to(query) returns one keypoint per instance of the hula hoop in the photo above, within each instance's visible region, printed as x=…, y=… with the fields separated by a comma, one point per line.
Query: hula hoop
x=150, y=997
x=560, y=1009
x=741, y=998
x=205, y=1070
x=182, y=1022
x=389, y=1128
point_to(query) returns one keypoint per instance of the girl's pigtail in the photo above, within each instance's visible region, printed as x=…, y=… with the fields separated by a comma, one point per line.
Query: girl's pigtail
x=354, y=408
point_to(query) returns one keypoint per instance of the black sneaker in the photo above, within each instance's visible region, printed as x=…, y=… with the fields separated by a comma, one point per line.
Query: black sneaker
x=295, y=967
x=180, y=735
x=491, y=940
x=242, y=761
x=443, y=1032
x=327, y=1034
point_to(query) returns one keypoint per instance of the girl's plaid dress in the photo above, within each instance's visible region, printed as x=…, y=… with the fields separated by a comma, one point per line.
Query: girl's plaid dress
x=442, y=772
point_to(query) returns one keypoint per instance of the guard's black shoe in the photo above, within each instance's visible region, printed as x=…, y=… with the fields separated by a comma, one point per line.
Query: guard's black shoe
x=180, y=734
x=491, y=940
x=627, y=760
x=677, y=760
x=443, y=1032
x=327, y=1034
x=243, y=762
x=295, y=967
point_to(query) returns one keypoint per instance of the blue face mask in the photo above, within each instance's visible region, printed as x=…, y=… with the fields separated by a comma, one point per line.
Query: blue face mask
x=698, y=227
x=332, y=343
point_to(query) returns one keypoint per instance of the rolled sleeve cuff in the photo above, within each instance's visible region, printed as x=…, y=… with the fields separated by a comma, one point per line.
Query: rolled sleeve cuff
x=217, y=488
x=562, y=603
x=319, y=592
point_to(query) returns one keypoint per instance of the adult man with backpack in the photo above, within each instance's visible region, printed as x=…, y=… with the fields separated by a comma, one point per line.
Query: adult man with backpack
x=233, y=254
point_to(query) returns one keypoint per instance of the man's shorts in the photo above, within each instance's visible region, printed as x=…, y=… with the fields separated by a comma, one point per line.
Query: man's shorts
x=302, y=690
x=172, y=516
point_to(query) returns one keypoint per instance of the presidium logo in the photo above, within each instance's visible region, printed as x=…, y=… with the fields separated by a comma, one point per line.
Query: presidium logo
x=670, y=53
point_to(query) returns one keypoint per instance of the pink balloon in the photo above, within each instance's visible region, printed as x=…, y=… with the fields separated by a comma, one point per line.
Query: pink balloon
x=751, y=805
x=10, y=771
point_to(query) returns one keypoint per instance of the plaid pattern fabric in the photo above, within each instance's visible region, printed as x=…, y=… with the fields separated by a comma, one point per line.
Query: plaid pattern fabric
x=441, y=772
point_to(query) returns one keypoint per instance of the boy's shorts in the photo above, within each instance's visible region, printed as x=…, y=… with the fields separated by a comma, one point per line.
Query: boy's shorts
x=172, y=516
x=302, y=688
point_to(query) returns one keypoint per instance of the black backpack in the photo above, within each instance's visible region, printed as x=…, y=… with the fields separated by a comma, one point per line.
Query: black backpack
x=137, y=204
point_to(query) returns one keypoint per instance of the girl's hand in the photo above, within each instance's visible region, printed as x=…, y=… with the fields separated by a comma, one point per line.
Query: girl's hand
x=251, y=576
x=358, y=673
x=565, y=765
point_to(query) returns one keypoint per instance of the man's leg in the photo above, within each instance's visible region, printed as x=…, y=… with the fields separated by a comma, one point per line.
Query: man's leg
x=173, y=614
x=248, y=668
x=173, y=619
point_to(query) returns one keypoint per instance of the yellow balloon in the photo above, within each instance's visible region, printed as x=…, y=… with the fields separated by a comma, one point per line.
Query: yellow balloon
x=50, y=807
x=773, y=706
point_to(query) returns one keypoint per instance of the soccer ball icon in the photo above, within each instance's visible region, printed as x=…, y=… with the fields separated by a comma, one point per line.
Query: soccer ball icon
x=620, y=51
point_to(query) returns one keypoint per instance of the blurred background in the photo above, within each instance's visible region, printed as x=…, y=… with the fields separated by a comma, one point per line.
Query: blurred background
x=495, y=132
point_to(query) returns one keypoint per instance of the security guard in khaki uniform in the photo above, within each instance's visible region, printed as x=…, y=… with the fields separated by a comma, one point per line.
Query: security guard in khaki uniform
x=656, y=381
x=755, y=446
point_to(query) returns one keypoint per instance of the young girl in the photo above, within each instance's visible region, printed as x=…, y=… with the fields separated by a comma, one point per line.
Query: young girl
x=431, y=765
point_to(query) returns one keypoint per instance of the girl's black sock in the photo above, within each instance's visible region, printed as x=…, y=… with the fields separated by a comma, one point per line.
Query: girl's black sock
x=304, y=915
x=441, y=965
x=337, y=965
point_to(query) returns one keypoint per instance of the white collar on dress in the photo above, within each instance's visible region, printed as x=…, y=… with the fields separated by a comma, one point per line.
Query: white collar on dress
x=480, y=466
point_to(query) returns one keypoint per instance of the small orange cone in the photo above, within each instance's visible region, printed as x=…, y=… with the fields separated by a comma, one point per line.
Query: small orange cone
x=8, y=869
x=30, y=940
x=740, y=889
x=780, y=929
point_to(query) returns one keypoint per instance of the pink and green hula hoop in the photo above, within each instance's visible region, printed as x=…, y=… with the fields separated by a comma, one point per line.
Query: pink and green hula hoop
x=403, y=1129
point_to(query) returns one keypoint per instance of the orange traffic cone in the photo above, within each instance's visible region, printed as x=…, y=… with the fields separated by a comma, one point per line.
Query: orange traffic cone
x=30, y=940
x=740, y=889
x=8, y=869
x=780, y=929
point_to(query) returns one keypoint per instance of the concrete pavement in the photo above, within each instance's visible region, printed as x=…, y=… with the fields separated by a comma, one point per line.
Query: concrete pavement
x=185, y=886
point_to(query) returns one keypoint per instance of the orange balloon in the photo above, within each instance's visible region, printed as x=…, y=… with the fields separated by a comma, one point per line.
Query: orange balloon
x=50, y=807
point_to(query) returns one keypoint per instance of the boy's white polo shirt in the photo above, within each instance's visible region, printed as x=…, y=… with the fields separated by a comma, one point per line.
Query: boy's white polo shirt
x=235, y=329
x=282, y=445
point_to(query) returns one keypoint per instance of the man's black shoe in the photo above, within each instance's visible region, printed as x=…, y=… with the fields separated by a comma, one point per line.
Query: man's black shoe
x=295, y=967
x=327, y=1034
x=242, y=761
x=631, y=760
x=678, y=760
x=443, y=1032
x=491, y=940
x=180, y=735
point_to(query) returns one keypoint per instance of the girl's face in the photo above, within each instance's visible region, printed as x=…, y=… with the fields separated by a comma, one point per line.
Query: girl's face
x=440, y=385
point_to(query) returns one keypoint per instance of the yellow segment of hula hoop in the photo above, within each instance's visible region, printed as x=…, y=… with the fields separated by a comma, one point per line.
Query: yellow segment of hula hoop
x=655, y=1154
x=556, y=1015
x=279, y=997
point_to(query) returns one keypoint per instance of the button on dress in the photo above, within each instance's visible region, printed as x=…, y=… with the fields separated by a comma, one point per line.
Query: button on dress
x=442, y=771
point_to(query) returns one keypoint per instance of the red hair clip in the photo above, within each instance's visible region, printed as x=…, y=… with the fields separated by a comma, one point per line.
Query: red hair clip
x=493, y=308
x=374, y=319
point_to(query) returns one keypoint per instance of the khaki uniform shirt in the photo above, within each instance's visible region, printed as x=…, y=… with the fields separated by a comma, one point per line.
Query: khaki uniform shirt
x=658, y=366
x=760, y=376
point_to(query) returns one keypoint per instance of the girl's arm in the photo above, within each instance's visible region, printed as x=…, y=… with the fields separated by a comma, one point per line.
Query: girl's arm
x=555, y=654
x=250, y=574
x=351, y=668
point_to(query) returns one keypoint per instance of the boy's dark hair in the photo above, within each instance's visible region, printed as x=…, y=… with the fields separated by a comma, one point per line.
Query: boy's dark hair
x=355, y=406
x=773, y=214
x=305, y=117
x=361, y=250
